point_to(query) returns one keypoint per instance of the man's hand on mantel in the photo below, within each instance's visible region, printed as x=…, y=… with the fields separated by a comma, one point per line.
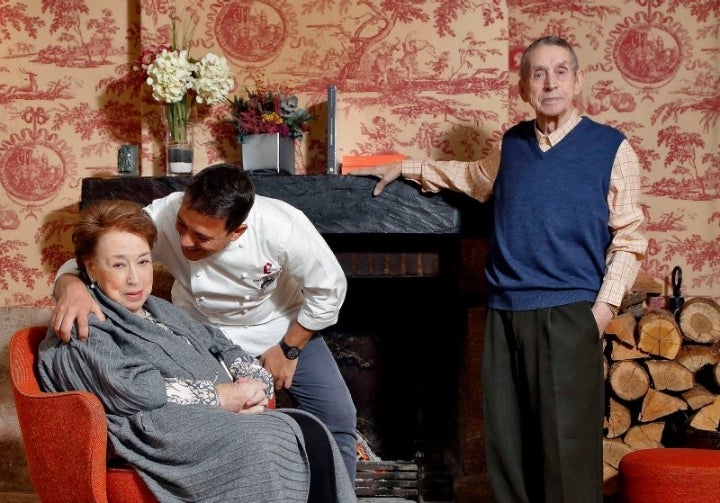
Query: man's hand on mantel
x=387, y=173
x=74, y=304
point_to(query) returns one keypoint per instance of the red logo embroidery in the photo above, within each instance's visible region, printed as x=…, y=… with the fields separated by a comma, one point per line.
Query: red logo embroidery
x=267, y=267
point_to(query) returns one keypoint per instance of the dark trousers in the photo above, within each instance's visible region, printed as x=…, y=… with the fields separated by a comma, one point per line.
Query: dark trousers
x=543, y=394
x=319, y=388
x=320, y=456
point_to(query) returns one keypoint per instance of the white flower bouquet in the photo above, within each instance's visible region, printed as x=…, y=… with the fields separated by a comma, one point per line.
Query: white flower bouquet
x=179, y=81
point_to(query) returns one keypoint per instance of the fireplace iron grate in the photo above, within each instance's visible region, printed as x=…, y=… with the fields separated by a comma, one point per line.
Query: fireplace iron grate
x=386, y=478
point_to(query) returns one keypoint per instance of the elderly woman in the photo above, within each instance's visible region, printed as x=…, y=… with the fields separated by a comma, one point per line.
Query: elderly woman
x=184, y=405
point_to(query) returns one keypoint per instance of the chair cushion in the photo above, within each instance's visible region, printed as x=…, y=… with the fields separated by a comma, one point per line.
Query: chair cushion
x=670, y=475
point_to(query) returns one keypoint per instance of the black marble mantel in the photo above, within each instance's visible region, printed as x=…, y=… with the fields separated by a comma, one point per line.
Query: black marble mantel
x=336, y=204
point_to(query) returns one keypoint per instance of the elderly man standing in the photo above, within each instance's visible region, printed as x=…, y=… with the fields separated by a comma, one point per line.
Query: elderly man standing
x=567, y=244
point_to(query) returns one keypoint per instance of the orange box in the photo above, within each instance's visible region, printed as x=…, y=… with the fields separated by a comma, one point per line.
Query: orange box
x=355, y=162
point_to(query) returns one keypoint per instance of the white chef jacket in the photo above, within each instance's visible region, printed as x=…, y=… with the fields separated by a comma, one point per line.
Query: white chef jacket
x=280, y=270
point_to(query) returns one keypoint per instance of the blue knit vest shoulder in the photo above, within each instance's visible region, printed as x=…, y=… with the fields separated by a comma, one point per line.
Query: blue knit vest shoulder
x=550, y=224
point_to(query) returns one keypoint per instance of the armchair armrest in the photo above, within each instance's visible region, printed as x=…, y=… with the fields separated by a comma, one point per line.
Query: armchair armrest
x=69, y=426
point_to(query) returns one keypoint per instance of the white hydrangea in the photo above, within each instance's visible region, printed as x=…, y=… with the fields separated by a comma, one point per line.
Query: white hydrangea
x=213, y=80
x=171, y=75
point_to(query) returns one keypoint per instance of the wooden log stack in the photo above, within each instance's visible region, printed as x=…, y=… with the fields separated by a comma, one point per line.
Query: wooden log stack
x=659, y=367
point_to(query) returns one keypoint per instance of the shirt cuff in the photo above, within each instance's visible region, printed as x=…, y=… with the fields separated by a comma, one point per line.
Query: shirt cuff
x=411, y=169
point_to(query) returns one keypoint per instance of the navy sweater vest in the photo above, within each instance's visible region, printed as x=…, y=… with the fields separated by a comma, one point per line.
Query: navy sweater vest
x=550, y=229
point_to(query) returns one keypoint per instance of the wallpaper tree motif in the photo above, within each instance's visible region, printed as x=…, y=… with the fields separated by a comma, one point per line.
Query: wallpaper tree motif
x=424, y=78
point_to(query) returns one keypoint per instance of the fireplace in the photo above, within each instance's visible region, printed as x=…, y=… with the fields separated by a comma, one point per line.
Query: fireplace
x=401, y=334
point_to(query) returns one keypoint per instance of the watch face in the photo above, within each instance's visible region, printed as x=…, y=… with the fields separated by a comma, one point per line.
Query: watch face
x=291, y=352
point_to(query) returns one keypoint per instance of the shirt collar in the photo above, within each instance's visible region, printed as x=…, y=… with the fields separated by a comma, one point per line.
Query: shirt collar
x=560, y=133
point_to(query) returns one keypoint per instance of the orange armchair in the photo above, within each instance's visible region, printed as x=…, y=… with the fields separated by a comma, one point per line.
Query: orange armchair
x=65, y=436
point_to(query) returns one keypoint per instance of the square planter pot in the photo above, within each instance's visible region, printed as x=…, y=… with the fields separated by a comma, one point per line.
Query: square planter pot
x=268, y=152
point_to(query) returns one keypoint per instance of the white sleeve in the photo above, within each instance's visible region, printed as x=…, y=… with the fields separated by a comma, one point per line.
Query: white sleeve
x=311, y=261
x=69, y=267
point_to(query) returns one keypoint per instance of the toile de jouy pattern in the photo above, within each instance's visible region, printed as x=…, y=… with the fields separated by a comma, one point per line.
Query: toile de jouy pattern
x=422, y=78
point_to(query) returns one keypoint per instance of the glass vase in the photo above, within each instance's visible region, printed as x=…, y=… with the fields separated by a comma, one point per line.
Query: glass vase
x=179, y=141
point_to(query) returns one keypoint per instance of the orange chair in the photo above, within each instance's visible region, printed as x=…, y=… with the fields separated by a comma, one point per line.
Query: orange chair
x=65, y=437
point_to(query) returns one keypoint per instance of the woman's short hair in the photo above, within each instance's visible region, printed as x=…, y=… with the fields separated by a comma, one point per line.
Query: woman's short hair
x=104, y=216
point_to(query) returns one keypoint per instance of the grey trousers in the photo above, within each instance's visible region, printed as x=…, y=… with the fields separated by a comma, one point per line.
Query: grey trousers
x=319, y=388
x=543, y=398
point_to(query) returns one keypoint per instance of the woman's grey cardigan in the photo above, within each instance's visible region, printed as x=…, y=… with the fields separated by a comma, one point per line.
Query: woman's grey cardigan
x=196, y=453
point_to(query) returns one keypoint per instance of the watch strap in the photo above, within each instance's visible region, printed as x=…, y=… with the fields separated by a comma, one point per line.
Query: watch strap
x=291, y=352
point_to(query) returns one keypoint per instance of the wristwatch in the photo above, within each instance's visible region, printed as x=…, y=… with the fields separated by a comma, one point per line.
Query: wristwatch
x=291, y=352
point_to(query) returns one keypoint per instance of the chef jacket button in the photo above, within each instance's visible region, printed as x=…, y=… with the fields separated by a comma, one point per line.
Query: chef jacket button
x=243, y=275
x=201, y=299
x=247, y=297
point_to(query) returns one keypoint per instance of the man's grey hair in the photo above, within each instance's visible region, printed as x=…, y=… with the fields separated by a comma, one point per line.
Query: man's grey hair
x=549, y=40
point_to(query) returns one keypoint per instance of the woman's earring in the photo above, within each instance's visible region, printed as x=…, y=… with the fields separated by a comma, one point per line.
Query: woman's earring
x=92, y=282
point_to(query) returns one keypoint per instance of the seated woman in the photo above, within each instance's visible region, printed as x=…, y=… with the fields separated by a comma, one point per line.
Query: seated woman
x=184, y=405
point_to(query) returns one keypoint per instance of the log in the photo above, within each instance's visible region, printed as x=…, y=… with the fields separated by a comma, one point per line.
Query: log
x=621, y=352
x=657, y=404
x=659, y=334
x=698, y=397
x=700, y=320
x=670, y=375
x=606, y=367
x=696, y=356
x=623, y=328
x=645, y=436
x=611, y=480
x=629, y=380
x=648, y=284
x=707, y=418
x=633, y=303
x=613, y=451
x=618, y=421
x=636, y=310
x=655, y=372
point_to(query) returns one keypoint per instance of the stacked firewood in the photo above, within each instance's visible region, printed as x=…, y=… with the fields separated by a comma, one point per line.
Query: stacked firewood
x=657, y=365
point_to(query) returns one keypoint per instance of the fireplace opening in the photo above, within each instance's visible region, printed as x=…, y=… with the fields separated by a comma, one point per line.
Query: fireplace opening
x=397, y=344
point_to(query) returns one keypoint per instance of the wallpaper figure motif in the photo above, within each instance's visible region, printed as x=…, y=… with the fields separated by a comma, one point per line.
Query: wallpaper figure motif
x=34, y=162
x=252, y=31
x=648, y=49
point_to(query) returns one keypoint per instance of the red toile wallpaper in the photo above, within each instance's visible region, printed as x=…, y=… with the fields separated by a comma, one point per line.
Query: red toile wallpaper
x=421, y=77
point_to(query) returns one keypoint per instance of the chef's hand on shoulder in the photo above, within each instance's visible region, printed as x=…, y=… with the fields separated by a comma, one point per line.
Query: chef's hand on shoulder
x=73, y=305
